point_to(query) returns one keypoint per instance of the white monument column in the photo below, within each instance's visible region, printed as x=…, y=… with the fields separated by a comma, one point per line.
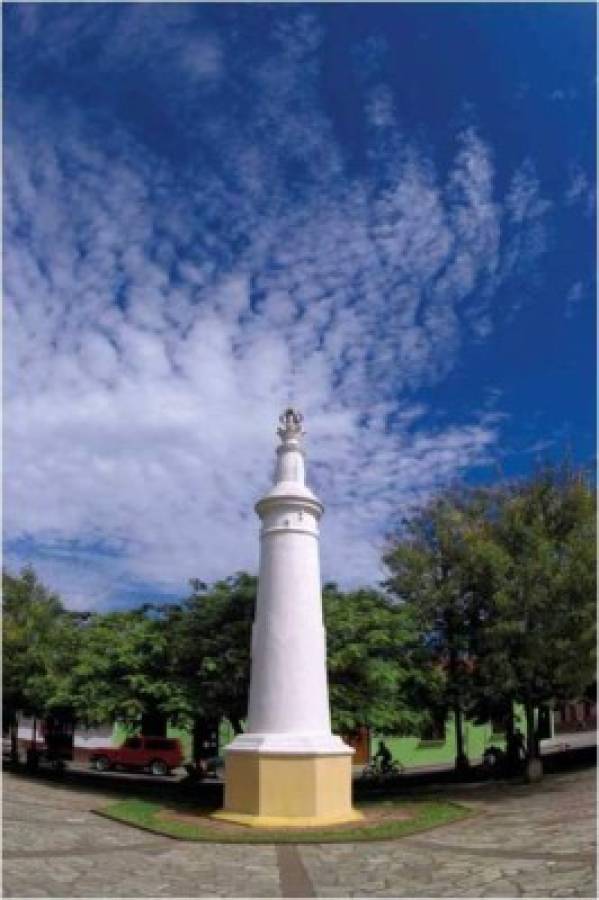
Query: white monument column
x=288, y=768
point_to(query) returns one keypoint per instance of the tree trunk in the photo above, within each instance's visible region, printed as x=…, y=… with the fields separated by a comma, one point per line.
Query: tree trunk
x=236, y=723
x=461, y=760
x=196, y=740
x=14, y=741
x=510, y=747
x=534, y=765
x=509, y=724
x=32, y=755
x=204, y=738
x=153, y=724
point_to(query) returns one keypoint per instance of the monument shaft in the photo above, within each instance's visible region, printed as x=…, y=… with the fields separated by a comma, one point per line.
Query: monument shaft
x=288, y=693
x=288, y=768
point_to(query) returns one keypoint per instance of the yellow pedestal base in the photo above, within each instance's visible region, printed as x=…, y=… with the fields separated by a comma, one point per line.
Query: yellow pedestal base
x=299, y=791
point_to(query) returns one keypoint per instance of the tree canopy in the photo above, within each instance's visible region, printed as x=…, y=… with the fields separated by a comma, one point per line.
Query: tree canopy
x=537, y=643
x=209, y=637
x=377, y=672
x=39, y=637
x=502, y=583
x=430, y=576
x=120, y=669
x=489, y=601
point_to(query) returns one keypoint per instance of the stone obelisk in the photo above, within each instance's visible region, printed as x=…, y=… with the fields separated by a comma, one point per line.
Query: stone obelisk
x=288, y=768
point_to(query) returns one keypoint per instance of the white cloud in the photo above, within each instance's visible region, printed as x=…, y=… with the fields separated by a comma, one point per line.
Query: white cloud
x=202, y=58
x=573, y=298
x=580, y=191
x=563, y=94
x=158, y=320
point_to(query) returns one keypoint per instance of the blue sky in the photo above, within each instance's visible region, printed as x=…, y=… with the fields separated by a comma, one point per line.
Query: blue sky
x=384, y=214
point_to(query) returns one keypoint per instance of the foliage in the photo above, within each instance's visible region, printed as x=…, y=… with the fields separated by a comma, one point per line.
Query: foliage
x=375, y=666
x=538, y=640
x=490, y=601
x=430, y=576
x=121, y=669
x=39, y=639
x=209, y=637
x=370, y=669
x=502, y=584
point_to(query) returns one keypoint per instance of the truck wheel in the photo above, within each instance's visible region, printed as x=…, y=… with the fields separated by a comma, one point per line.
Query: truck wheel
x=102, y=764
x=158, y=767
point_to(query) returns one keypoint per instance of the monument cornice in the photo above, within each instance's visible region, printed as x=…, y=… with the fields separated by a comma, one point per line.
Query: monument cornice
x=291, y=500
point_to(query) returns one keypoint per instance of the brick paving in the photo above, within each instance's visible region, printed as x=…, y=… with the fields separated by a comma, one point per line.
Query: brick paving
x=525, y=842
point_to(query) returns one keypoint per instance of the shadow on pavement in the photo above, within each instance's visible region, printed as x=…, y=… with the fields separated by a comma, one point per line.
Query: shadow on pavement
x=461, y=785
x=209, y=794
x=121, y=786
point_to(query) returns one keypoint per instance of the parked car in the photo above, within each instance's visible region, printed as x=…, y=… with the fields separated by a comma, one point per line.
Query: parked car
x=159, y=755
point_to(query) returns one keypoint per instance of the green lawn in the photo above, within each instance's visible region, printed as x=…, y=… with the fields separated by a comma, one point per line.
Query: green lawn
x=424, y=814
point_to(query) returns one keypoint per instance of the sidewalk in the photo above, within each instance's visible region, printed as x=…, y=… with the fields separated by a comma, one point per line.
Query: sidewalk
x=569, y=741
x=526, y=841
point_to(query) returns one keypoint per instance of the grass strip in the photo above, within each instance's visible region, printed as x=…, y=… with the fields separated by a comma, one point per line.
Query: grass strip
x=145, y=814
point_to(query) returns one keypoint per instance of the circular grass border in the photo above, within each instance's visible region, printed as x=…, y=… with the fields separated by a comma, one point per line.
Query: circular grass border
x=144, y=814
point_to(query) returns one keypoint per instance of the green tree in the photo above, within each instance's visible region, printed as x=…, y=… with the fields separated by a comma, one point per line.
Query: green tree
x=538, y=641
x=122, y=669
x=209, y=638
x=372, y=667
x=429, y=576
x=485, y=568
x=39, y=639
x=378, y=674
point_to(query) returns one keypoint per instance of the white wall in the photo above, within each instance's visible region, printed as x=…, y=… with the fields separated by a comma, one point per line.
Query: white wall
x=87, y=738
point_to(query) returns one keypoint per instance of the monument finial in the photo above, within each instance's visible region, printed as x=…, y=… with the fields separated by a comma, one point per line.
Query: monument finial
x=291, y=420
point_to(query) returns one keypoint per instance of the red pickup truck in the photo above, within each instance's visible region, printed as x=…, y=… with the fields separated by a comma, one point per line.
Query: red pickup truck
x=159, y=755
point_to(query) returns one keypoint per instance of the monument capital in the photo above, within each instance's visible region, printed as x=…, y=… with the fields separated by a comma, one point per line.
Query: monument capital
x=291, y=422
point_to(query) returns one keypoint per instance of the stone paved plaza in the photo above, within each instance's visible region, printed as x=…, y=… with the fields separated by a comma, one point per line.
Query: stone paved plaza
x=525, y=841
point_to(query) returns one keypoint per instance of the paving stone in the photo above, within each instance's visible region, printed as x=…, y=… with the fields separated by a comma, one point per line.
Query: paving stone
x=502, y=888
x=526, y=841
